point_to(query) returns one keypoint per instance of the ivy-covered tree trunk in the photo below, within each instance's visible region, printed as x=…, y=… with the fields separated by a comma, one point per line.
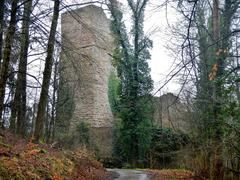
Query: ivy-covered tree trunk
x=136, y=83
x=217, y=170
x=47, y=74
x=204, y=86
x=51, y=133
x=214, y=41
x=19, y=104
x=7, y=53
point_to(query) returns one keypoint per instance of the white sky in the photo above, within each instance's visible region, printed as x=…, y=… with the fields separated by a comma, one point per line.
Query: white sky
x=161, y=61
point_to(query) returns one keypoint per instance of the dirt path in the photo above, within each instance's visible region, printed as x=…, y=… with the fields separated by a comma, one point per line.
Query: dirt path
x=126, y=174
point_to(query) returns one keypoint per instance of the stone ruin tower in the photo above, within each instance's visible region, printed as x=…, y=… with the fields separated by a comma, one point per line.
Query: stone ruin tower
x=170, y=112
x=85, y=66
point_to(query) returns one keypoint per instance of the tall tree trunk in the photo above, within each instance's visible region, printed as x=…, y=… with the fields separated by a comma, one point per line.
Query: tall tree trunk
x=237, y=84
x=7, y=53
x=130, y=74
x=47, y=121
x=52, y=120
x=216, y=21
x=138, y=13
x=217, y=170
x=46, y=75
x=1, y=28
x=19, y=104
x=216, y=38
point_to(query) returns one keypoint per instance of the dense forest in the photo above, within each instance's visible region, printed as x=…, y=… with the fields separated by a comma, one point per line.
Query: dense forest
x=205, y=45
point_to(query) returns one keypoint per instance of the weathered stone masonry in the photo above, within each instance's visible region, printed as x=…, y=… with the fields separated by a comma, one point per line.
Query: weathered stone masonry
x=84, y=70
x=170, y=112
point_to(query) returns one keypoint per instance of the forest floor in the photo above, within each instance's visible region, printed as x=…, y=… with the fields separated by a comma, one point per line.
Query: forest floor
x=171, y=174
x=20, y=159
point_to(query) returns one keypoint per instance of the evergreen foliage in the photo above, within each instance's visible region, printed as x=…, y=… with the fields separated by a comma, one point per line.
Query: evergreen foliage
x=164, y=144
x=113, y=92
x=135, y=82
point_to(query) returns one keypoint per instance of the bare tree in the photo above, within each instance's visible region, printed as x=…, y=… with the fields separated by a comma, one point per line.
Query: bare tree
x=19, y=104
x=47, y=74
x=7, y=53
x=2, y=3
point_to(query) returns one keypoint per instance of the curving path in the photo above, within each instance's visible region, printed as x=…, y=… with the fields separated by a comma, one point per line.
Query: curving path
x=127, y=174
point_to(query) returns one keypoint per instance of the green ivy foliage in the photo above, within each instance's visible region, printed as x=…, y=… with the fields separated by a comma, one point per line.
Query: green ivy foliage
x=113, y=92
x=164, y=143
x=166, y=140
x=83, y=133
x=65, y=109
x=131, y=61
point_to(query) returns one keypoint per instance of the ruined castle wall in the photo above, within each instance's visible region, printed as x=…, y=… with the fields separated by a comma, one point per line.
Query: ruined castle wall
x=85, y=66
x=169, y=112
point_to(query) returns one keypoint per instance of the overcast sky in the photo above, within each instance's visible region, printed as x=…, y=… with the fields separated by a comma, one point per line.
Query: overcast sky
x=161, y=19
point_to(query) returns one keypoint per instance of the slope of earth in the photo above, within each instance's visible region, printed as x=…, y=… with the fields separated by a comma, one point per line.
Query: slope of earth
x=20, y=159
x=171, y=174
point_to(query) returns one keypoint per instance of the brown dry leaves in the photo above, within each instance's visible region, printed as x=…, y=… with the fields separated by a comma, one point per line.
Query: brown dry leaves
x=219, y=53
x=177, y=174
x=213, y=72
x=25, y=160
